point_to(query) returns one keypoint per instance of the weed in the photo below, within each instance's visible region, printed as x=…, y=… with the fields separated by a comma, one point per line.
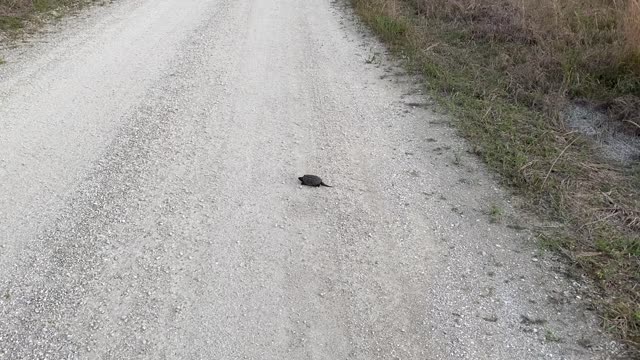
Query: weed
x=495, y=214
x=389, y=28
x=617, y=244
x=550, y=336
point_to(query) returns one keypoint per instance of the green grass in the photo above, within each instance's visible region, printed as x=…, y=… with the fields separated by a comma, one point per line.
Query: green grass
x=507, y=106
x=47, y=5
x=495, y=214
x=616, y=244
x=390, y=29
x=11, y=23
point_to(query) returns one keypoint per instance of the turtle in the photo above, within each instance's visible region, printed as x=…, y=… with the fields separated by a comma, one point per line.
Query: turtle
x=312, y=180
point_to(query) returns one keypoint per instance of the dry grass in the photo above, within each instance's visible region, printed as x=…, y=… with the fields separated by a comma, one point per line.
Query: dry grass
x=591, y=46
x=14, y=7
x=23, y=7
x=631, y=26
x=507, y=69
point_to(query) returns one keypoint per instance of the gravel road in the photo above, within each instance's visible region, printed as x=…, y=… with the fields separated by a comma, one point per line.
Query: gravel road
x=150, y=207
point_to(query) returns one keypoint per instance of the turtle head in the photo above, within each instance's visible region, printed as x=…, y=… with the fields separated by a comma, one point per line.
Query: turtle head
x=300, y=178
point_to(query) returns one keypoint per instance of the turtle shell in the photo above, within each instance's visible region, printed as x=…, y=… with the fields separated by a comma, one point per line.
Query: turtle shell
x=311, y=180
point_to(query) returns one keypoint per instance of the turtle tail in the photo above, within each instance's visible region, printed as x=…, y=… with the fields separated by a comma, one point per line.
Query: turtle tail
x=323, y=184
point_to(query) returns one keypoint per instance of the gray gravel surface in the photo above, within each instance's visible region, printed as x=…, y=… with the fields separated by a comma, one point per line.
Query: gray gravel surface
x=150, y=207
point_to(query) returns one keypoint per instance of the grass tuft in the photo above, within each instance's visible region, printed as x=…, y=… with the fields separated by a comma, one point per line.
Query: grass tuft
x=390, y=29
x=495, y=214
x=11, y=23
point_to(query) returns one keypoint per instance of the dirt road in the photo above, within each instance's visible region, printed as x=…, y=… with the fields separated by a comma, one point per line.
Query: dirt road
x=150, y=207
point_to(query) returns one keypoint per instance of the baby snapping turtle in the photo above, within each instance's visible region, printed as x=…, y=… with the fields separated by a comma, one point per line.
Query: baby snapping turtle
x=312, y=180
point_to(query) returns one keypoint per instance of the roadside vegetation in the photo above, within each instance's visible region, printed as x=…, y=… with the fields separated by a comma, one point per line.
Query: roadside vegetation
x=511, y=72
x=16, y=15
